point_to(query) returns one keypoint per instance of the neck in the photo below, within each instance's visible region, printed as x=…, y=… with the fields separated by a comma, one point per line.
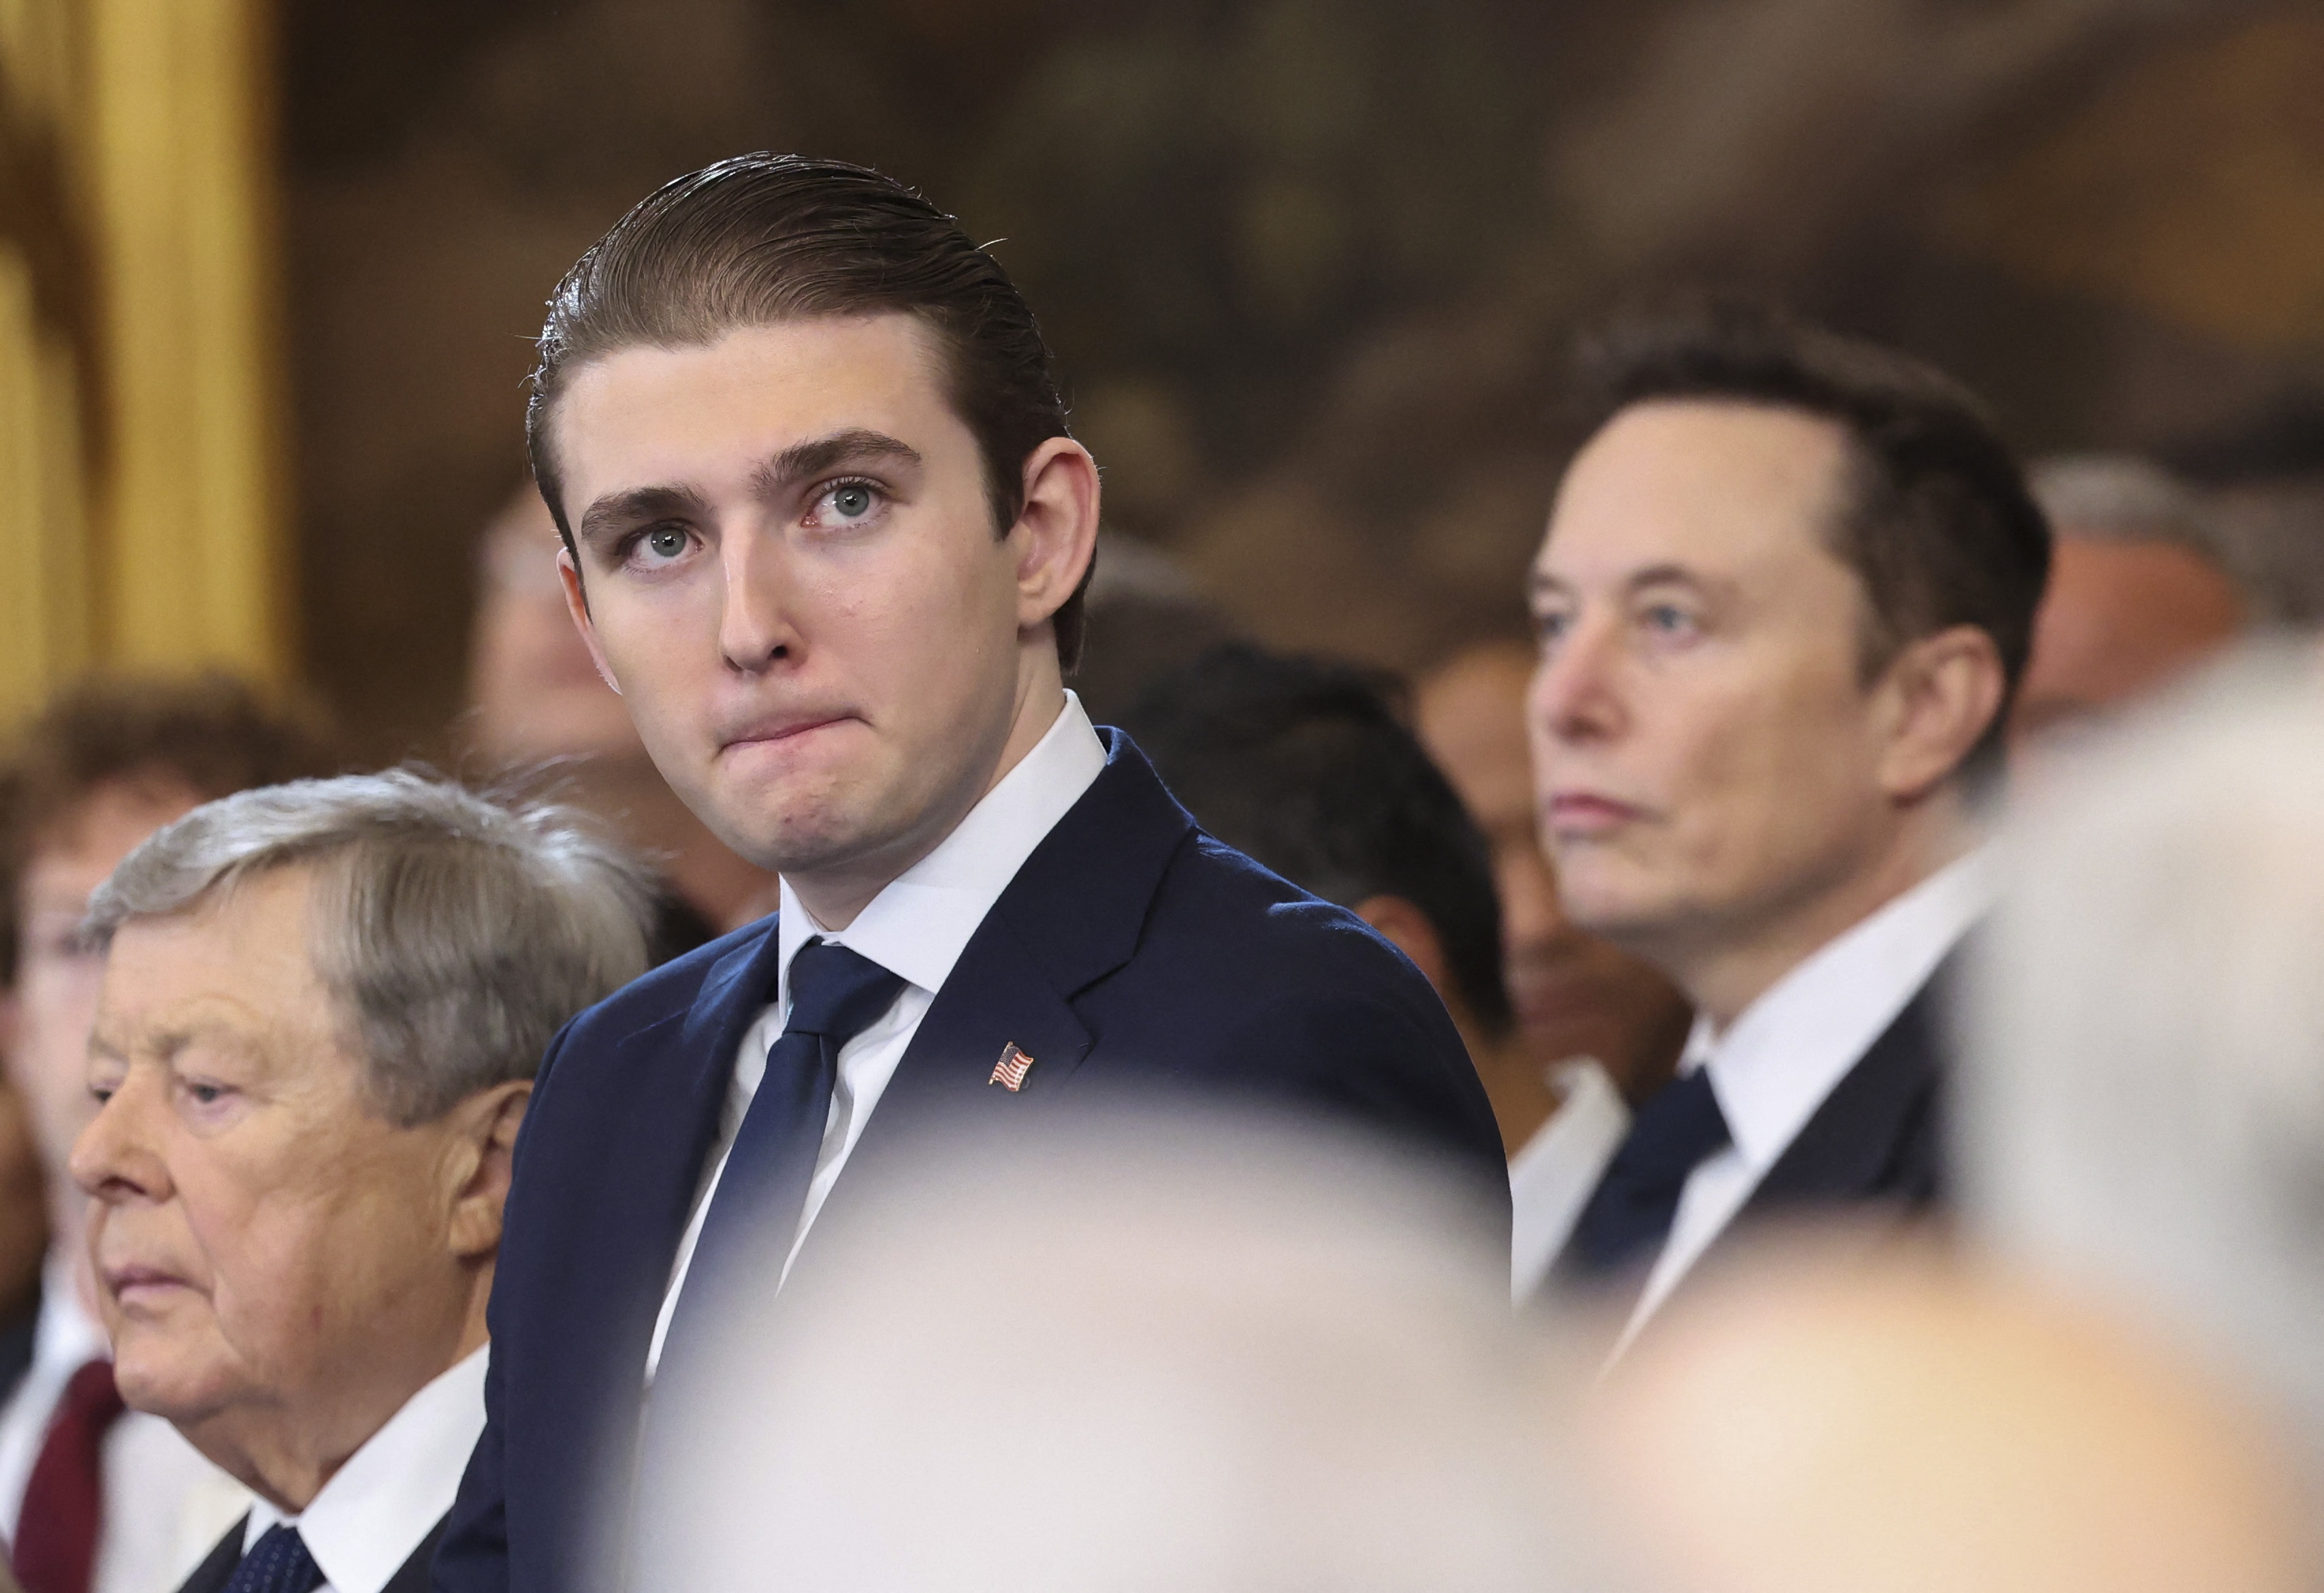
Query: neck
x=832, y=896
x=1727, y=972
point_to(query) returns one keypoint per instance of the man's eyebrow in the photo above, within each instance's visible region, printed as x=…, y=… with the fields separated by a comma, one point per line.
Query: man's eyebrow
x=616, y=511
x=817, y=455
x=1663, y=574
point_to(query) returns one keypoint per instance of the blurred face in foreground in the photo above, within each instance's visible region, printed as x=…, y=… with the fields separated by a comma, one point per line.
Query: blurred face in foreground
x=788, y=566
x=279, y=1264
x=2118, y=622
x=1720, y=786
x=1828, y=1421
x=1576, y=995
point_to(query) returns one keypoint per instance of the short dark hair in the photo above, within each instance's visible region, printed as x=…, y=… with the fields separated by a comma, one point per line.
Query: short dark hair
x=211, y=735
x=762, y=239
x=1938, y=522
x=1305, y=765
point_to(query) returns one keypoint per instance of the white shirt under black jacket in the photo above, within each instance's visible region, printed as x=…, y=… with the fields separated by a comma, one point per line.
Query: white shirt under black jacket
x=379, y=1507
x=1776, y=1062
x=916, y=928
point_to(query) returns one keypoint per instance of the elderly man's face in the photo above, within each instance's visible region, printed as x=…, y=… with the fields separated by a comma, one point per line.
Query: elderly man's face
x=268, y=1247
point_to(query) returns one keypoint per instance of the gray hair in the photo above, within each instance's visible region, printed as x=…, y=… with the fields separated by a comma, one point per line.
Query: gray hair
x=2142, y=1106
x=457, y=933
x=2122, y=498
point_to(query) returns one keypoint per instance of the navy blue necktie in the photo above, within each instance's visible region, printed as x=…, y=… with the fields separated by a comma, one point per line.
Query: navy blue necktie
x=1631, y=1211
x=755, y=1214
x=277, y=1563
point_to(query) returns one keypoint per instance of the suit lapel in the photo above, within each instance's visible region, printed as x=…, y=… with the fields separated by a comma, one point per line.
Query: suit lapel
x=1875, y=1137
x=613, y=1239
x=418, y=1571
x=1073, y=915
x=218, y=1568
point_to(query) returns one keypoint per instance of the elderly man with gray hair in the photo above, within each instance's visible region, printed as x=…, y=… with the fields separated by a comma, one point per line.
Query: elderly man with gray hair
x=322, y=1007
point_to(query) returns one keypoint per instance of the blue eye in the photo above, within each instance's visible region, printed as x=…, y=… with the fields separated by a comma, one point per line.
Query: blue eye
x=851, y=499
x=664, y=542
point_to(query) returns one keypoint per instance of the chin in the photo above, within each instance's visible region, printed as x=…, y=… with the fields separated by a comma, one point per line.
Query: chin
x=171, y=1380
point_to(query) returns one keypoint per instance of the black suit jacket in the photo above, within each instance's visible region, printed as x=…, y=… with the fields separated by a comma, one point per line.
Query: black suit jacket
x=213, y=1574
x=1130, y=951
x=1876, y=1144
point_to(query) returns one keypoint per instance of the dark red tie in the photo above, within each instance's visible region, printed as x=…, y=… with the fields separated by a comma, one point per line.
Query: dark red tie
x=64, y=1504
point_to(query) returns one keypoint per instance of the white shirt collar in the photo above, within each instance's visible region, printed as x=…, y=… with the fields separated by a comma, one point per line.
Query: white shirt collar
x=375, y=1511
x=1790, y=1048
x=65, y=1335
x=919, y=926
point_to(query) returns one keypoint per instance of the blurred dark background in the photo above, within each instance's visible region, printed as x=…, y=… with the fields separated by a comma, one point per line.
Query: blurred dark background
x=1311, y=267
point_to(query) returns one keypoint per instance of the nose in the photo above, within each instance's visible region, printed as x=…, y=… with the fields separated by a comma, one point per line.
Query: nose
x=1576, y=694
x=757, y=627
x=116, y=1159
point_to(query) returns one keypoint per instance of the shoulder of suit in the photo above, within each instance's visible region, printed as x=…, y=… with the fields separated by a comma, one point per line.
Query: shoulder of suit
x=664, y=992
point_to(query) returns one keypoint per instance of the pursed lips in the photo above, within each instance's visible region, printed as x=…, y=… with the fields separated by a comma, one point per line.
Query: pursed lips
x=775, y=729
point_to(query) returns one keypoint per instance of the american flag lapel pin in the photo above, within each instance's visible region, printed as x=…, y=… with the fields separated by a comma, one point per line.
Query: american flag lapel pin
x=1010, y=1070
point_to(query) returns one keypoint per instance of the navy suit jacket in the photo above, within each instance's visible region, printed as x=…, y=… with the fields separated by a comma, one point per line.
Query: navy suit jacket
x=1132, y=950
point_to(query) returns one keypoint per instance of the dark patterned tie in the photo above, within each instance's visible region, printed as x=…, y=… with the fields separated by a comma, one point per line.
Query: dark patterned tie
x=64, y=1502
x=1631, y=1211
x=755, y=1214
x=277, y=1563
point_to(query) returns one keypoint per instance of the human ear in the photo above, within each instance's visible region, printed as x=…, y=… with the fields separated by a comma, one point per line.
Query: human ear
x=576, y=603
x=1055, y=533
x=484, y=1130
x=1939, y=695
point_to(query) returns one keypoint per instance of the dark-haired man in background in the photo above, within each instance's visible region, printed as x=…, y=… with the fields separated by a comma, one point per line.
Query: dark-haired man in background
x=96, y=1499
x=1784, y=598
x=826, y=531
x=1304, y=764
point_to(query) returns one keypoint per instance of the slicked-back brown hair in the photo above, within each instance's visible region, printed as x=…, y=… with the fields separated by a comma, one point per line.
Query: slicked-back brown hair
x=762, y=239
x=1937, y=521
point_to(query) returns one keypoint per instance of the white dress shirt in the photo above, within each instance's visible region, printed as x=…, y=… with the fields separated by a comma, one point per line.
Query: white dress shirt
x=166, y=1505
x=917, y=928
x=1778, y=1062
x=1552, y=1172
x=379, y=1507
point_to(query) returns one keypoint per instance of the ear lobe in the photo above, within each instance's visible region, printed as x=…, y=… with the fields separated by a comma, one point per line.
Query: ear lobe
x=1947, y=693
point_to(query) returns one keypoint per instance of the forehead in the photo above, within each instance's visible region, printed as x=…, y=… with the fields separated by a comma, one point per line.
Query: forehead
x=1714, y=486
x=237, y=960
x=647, y=415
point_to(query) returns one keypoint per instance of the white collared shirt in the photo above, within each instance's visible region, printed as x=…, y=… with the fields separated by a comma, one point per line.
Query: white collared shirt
x=1552, y=1172
x=916, y=928
x=168, y=1505
x=1789, y=1050
x=379, y=1507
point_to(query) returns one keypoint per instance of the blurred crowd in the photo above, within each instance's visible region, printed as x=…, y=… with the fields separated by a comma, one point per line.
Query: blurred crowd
x=1879, y=901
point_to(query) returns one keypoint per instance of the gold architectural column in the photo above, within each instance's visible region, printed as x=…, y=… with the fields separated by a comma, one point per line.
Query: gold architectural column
x=141, y=452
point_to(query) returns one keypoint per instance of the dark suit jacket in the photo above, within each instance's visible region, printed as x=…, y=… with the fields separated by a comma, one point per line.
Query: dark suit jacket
x=213, y=1574
x=1876, y=1146
x=1131, y=949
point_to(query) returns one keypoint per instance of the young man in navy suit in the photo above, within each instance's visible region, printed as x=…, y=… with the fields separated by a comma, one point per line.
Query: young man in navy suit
x=825, y=531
